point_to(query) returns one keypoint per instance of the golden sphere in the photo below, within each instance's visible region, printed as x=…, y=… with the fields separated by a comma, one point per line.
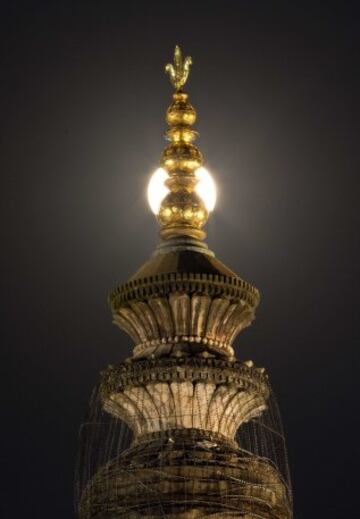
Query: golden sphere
x=180, y=112
x=181, y=156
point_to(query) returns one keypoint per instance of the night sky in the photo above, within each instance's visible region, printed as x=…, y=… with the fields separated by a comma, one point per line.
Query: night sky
x=83, y=96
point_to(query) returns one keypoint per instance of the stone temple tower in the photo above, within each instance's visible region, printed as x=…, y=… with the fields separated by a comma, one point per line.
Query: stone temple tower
x=183, y=429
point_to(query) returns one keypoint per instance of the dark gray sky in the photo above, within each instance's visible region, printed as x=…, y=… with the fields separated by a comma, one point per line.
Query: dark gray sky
x=83, y=97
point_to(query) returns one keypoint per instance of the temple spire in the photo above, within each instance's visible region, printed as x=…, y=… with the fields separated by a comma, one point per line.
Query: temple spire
x=182, y=212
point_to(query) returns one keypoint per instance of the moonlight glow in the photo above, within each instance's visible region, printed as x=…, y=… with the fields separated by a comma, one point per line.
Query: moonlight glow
x=157, y=189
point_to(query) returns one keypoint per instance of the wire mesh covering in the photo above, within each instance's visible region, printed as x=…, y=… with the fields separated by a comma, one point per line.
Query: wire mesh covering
x=181, y=468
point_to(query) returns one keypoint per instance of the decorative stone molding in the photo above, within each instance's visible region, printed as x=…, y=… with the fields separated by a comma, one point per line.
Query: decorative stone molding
x=191, y=396
x=243, y=375
x=184, y=309
x=233, y=288
x=201, y=405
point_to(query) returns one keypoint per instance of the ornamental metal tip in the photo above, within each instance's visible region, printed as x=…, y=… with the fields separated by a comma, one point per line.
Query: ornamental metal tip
x=182, y=212
x=179, y=71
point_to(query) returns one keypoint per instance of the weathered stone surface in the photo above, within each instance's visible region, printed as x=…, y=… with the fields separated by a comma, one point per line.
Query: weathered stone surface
x=180, y=476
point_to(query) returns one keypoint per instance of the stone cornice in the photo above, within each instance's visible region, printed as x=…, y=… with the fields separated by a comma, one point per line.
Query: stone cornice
x=134, y=374
x=233, y=288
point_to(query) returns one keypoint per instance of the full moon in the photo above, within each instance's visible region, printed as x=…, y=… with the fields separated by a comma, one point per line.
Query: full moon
x=157, y=190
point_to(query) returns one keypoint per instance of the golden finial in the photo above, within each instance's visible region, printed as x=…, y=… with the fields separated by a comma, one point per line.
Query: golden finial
x=179, y=72
x=182, y=212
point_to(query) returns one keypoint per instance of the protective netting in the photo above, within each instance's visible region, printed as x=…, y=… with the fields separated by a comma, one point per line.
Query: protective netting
x=180, y=468
x=264, y=437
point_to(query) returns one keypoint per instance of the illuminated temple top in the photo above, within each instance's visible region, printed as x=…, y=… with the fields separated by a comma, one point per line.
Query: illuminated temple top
x=183, y=300
x=183, y=429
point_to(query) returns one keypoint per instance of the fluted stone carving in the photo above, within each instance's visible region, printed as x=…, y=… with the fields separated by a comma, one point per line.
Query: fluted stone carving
x=180, y=317
x=162, y=406
x=210, y=395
